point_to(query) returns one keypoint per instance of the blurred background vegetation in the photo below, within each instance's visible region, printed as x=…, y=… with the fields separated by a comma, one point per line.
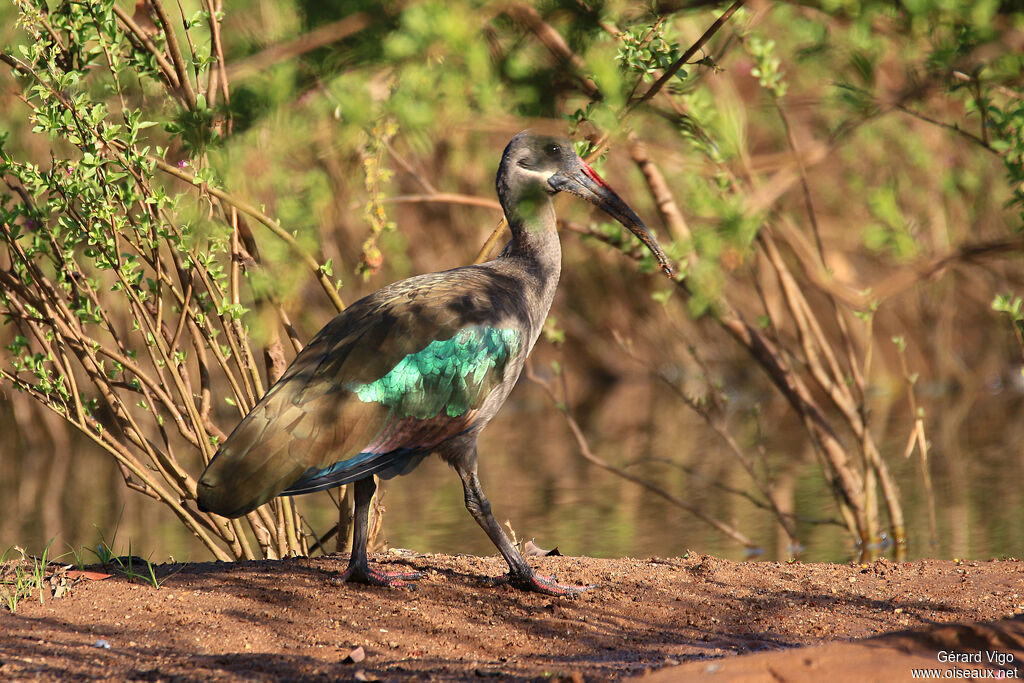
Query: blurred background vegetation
x=837, y=372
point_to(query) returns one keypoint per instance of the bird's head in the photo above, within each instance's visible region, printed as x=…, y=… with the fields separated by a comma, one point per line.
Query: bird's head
x=551, y=165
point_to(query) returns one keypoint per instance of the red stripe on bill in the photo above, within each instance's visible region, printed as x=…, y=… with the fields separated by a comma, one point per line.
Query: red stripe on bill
x=593, y=175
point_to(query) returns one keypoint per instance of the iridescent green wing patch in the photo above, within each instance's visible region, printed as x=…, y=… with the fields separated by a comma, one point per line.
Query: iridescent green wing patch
x=450, y=376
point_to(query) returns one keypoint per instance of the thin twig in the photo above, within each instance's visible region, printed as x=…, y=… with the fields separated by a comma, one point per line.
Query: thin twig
x=917, y=438
x=317, y=38
x=442, y=198
x=263, y=218
x=685, y=57
x=165, y=67
x=551, y=39
x=175, y=50
x=590, y=456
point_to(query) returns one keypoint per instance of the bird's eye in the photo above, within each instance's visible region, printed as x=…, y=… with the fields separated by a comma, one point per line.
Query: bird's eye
x=552, y=149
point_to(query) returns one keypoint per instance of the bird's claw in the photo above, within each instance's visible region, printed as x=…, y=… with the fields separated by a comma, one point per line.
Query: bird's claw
x=536, y=583
x=372, y=577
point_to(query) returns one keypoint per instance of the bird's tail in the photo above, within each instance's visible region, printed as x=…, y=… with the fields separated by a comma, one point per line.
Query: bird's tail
x=251, y=467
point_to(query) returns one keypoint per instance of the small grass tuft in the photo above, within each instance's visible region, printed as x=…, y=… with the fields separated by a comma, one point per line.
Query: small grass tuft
x=134, y=567
x=21, y=578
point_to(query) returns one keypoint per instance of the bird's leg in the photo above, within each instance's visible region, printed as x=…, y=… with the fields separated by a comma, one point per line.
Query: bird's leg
x=359, y=566
x=520, y=574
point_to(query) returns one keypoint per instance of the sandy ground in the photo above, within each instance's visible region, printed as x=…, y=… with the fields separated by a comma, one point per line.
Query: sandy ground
x=690, y=618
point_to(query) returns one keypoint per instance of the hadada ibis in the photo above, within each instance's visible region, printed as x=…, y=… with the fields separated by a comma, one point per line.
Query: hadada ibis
x=418, y=367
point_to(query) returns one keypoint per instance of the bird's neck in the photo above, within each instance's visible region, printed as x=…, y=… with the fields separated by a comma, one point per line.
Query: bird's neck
x=532, y=223
x=533, y=256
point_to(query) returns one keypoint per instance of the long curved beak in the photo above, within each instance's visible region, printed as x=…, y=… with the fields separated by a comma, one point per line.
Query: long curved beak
x=586, y=183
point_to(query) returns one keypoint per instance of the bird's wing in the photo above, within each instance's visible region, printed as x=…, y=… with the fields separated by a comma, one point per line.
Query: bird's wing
x=384, y=383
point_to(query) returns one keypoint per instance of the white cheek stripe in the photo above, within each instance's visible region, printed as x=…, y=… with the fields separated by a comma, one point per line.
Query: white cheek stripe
x=539, y=175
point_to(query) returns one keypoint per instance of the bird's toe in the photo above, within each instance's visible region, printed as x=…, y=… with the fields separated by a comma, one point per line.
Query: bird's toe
x=373, y=577
x=536, y=583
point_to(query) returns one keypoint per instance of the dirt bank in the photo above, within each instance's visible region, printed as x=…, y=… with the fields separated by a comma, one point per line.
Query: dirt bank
x=286, y=621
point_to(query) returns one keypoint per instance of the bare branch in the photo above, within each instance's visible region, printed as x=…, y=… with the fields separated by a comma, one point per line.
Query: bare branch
x=551, y=39
x=266, y=220
x=175, y=50
x=323, y=35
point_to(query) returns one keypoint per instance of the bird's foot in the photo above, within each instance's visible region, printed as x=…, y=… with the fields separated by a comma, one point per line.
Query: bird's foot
x=372, y=577
x=537, y=583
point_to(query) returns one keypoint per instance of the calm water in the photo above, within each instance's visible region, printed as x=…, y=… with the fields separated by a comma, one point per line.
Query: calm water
x=535, y=477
